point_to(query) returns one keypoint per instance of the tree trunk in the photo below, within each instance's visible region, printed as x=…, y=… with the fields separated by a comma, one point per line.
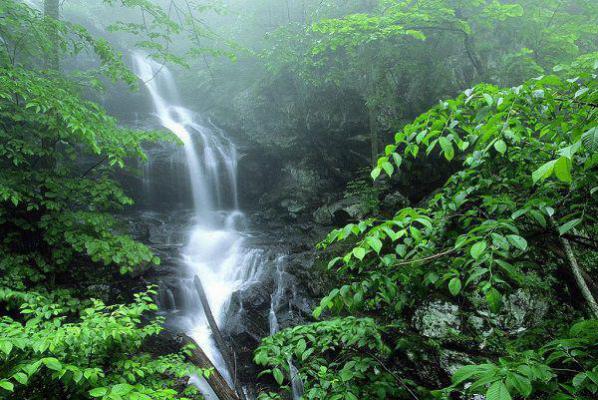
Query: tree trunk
x=52, y=10
x=216, y=381
x=578, y=273
x=373, y=136
x=227, y=354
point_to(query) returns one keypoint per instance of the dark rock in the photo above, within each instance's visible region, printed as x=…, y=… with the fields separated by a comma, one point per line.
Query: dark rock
x=340, y=212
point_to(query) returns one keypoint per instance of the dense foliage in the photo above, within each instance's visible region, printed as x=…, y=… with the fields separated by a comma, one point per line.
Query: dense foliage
x=523, y=189
x=427, y=300
x=58, y=198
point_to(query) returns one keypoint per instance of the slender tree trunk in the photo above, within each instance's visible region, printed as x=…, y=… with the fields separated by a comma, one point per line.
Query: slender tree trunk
x=373, y=136
x=371, y=108
x=52, y=10
x=578, y=274
x=473, y=56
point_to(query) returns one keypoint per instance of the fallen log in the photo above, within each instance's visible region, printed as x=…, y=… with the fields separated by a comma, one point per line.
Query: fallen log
x=227, y=355
x=216, y=380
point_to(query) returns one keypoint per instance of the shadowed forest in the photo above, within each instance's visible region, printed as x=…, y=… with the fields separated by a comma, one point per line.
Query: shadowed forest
x=299, y=199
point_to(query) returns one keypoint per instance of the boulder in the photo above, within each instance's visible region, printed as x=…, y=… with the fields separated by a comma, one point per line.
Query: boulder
x=437, y=319
x=340, y=212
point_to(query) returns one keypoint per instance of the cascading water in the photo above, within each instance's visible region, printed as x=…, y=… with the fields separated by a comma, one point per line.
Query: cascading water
x=275, y=302
x=216, y=249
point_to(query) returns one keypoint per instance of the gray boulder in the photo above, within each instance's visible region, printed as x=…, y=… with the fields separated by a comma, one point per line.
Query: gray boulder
x=437, y=319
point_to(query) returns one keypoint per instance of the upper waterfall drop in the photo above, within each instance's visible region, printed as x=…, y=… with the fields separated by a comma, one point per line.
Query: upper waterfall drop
x=204, y=168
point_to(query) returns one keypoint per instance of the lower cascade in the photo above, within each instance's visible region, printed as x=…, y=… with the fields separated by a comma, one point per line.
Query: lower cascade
x=216, y=249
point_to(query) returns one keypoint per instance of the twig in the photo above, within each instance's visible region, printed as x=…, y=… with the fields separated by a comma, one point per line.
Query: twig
x=94, y=166
x=432, y=257
x=395, y=376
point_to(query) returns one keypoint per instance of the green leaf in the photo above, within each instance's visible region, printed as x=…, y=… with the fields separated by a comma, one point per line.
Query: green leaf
x=498, y=391
x=278, y=376
x=517, y=241
x=568, y=226
x=477, y=250
x=375, y=173
x=21, y=378
x=346, y=375
x=500, y=146
x=388, y=168
x=464, y=373
x=374, y=243
x=359, y=253
x=537, y=215
x=6, y=347
x=6, y=385
x=579, y=379
x=520, y=383
x=52, y=363
x=494, y=299
x=301, y=345
x=454, y=286
x=562, y=169
x=590, y=139
x=121, y=389
x=544, y=171
x=447, y=148
x=488, y=99
x=98, y=392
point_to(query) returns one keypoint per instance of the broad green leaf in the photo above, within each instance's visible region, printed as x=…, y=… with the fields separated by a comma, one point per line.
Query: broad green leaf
x=494, y=299
x=359, y=253
x=455, y=286
x=98, y=392
x=447, y=148
x=569, y=225
x=590, y=139
x=21, y=378
x=562, y=169
x=579, y=379
x=375, y=173
x=300, y=348
x=388, y=168
x=544, y=171
x=121, y=389
x=346, y=375
x=465, y=373
x=52, y=363
x=498, y=391
x=6, y=347
x=477, y=250
x=517, y=241
x=520, y=383
x=6, y=385
x=500, y=146
x=278, y=376
x=374, y=243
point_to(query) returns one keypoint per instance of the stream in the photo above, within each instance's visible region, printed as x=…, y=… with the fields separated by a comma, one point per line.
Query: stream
x=217, y=245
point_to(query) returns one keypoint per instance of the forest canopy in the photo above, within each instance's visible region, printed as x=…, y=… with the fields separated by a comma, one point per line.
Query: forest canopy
x=434, y=160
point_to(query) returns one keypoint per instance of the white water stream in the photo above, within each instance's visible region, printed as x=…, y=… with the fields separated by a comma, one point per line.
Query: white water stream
x=215, y=250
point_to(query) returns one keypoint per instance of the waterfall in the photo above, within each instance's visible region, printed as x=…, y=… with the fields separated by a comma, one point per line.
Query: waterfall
x=215, y=249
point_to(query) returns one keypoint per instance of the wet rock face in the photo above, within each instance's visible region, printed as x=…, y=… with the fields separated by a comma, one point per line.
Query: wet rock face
x=521, y=310
x=437, y=319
